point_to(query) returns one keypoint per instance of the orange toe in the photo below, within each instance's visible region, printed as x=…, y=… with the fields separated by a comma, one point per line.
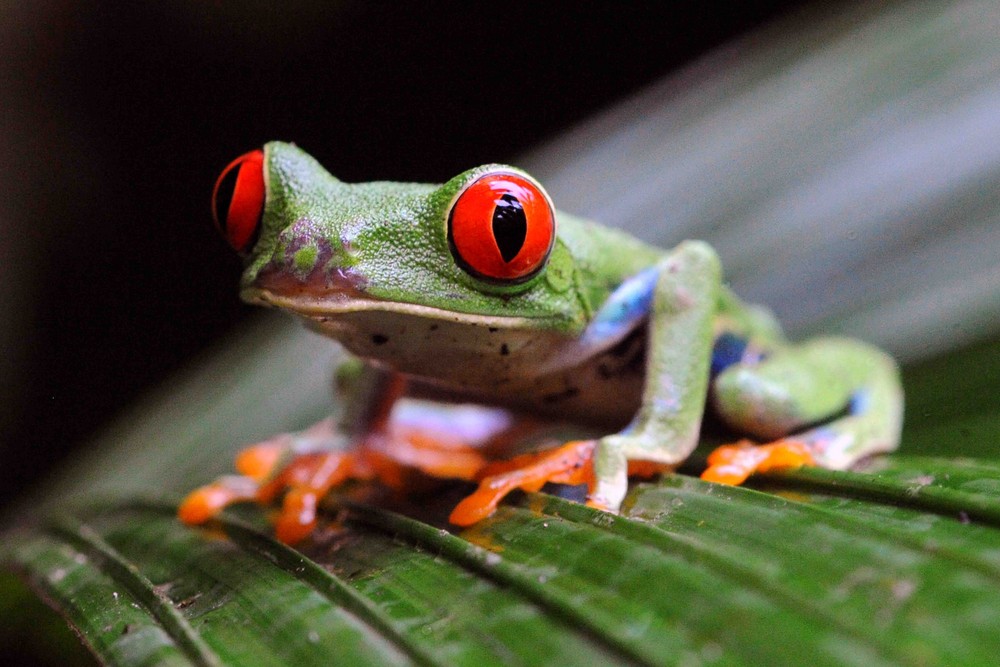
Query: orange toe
x=206, y=502
x=733, y=464
x=482, y=503
x=317, y=470
x=570, y=464
x=259, y=461
x=298, y=515
x=308, y=478
x=786, y=454
x=433, y=455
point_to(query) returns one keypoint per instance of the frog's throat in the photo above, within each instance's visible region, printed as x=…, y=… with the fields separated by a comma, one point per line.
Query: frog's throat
x=321, y=308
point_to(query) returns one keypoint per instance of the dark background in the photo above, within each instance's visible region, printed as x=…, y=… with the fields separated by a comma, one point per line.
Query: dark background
x=116, y=122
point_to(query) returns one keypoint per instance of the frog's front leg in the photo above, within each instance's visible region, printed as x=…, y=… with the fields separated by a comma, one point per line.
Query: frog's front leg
x=785, y=399
x=665, y=429
x=678, y=300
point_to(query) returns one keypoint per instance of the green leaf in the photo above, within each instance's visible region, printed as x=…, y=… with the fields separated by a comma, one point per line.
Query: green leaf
x=897, y=565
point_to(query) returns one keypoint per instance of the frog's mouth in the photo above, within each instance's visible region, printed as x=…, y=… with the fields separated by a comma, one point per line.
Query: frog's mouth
x=339, y=295
x=332, y=305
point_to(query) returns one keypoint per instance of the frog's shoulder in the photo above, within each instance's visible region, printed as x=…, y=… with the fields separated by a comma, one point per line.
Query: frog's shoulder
x=603, y=249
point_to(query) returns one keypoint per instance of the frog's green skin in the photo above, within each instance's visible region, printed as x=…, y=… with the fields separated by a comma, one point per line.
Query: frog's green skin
x=612, y=332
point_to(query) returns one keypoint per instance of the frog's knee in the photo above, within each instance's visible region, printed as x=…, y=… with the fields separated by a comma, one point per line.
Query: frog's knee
x=776, y=397
x=750, y=405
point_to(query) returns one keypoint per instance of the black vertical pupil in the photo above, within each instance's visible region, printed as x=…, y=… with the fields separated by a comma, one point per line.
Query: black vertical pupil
x=510, y=226
x=224, y=196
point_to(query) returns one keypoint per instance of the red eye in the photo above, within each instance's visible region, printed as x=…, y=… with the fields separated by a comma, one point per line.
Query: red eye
x=501, y=228
x=238, y=200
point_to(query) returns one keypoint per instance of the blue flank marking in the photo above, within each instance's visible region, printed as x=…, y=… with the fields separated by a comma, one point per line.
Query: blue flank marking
x=728, y=350
x=623, y=311
x=860, y=402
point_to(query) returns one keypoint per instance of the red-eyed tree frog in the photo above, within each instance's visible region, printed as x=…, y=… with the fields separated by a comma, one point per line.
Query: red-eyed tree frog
x=480, y=291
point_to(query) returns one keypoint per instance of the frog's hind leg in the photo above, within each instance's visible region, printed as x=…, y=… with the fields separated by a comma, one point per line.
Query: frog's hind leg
x=828, y=402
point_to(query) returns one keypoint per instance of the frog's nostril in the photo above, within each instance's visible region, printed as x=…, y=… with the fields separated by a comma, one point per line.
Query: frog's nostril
x=238, y=200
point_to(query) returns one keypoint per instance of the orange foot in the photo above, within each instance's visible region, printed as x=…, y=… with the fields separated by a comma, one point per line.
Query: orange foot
x=732, y=464
x=573, y=463
x=570, y=464
x=307, y=477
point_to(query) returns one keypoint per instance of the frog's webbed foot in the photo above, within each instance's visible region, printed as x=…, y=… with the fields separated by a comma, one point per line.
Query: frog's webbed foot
x=573, y=463
x=733, y=464
x=306, y=466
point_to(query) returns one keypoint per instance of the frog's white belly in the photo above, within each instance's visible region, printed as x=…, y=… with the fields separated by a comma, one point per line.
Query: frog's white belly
x=488, y=363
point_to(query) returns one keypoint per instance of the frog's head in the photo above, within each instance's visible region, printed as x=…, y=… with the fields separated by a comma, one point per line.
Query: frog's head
x=479, y=250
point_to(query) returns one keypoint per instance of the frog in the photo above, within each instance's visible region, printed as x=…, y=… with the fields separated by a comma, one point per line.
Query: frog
x=478, y=291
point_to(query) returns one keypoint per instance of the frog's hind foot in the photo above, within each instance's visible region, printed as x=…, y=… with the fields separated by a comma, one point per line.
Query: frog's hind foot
x=850, y=389
x=733, y=464
x=570, y=464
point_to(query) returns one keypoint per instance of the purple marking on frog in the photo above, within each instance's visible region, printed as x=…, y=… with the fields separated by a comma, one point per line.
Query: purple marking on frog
x=282, y=275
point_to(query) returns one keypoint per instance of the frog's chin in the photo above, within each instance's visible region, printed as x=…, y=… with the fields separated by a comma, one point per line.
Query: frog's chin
x=458, y=349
